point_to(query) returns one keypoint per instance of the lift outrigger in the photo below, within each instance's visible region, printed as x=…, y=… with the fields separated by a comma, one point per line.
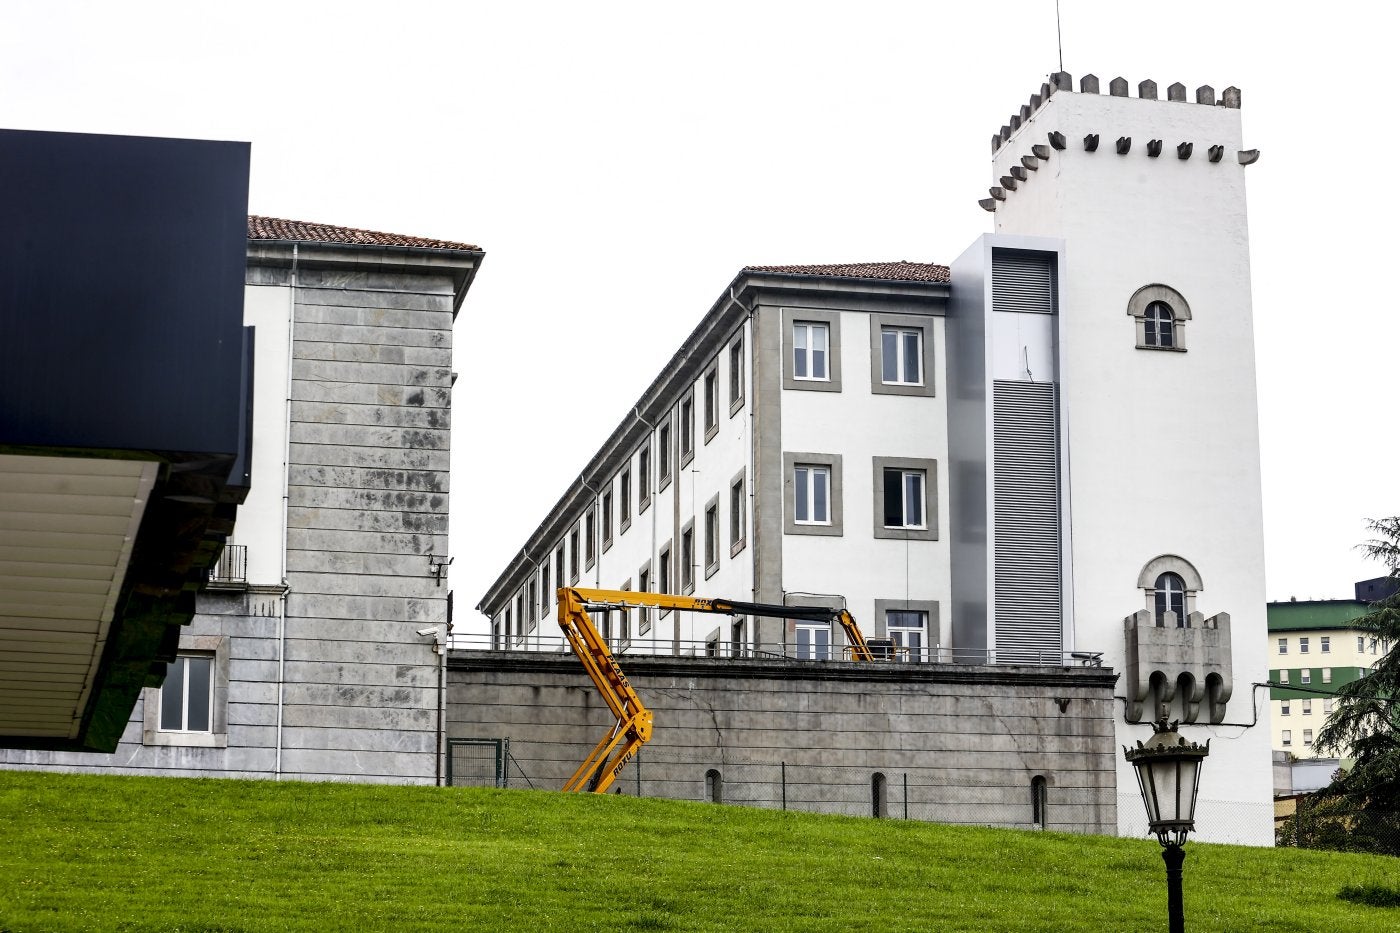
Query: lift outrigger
x=633, y=727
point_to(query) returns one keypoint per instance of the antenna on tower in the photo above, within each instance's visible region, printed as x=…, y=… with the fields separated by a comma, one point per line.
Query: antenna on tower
x=1059, y=39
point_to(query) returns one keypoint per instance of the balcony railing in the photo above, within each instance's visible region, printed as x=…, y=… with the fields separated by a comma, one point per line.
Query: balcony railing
x=231, y=572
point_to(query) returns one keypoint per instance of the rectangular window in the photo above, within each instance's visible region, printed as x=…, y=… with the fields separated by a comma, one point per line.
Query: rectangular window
x=809, y=351
x=624, y=499
x=904, y=499
x=644, y=586
x=1327, y=706
x=545, y=592
x=811, y=495
x=736, y=374
x=663, y=455
x=813, y=642
x=664, y=577
x=1307, y=707
x=590, y=537
x=1305, y=676
x=1283, y=676
x=519, y=619
x=607, y=519
x=1360, y=643
x=643, y=480
x=1287, y=737
x=736, y=638
x=1327, y=675
x=1307, y=738
x=902, y=356
x=711, y=538
x=687, y=429
x=711, y=403
x=1303, y=645
x=559, y=566
x=688, y=559
x=906, y=628
x=1326, y=644
x=1285, y=707
x=573, y=556
x=187, y=696
x=1283, y=646
x=532, y=605
x=736, y=515
x=1373, y=645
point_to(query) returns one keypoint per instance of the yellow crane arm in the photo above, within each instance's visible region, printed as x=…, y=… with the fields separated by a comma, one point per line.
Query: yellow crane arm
x=633, y=727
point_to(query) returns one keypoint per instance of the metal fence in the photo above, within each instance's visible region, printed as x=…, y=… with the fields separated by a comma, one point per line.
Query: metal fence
x=884, y=653
x=232, y=568
x=1336, y=824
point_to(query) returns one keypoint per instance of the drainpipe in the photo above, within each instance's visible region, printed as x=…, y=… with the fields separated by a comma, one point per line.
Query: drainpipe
x=286, y=498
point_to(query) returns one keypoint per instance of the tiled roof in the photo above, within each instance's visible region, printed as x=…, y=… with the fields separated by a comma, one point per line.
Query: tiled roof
x=902, y=271
x=274, y=228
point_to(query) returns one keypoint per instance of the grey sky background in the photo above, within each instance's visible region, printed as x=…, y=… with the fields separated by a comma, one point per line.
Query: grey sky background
x=620, y=162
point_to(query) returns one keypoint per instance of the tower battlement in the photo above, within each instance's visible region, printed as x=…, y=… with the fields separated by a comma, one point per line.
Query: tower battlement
x=1035, y=153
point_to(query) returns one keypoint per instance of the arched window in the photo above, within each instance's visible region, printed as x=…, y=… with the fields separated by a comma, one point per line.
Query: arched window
x=1038, y=798
x=1160, y=313
x=1169, y=595
x=879, y=804
x=714, y=787
x=1170, y=584
x=1157, y=325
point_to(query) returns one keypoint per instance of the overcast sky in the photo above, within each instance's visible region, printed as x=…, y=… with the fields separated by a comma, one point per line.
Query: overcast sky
x=620, y=162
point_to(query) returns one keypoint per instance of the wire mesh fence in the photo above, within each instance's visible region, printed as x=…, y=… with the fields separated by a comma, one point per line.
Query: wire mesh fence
x=1337, y=824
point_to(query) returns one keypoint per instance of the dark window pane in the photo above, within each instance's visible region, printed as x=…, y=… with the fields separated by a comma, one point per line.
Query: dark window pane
x=200, y=670
x=894, y=500
x=172, y=696
x=889, y=356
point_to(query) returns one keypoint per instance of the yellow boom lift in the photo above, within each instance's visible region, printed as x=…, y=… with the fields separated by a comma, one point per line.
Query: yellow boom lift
x=633, y=727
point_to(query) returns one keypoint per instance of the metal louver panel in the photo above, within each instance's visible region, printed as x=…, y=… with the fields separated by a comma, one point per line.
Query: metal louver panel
x=1022, y=283
x=1028, y=610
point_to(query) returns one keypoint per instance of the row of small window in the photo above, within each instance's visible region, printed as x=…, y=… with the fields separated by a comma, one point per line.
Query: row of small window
x=906, y=628
x=534, y=603
x=902, y=505
x=1286, y=707
x=1325, y=645
x=1304, y=675
x=1288, y=738
x=900, y=358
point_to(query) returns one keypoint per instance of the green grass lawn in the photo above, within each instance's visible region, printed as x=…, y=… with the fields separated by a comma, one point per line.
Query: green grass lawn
x=116, y=853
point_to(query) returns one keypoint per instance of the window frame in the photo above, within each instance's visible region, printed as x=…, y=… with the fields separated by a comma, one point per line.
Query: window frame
x=644, y=586
x=644, y=477
x=924, y=325
x=574, y=561
x=928, y=607
x=545, y=594
x=1283, y=646
x=665, y=439
x=665, y=573
x=216, y=647
x=929, y=468
x=1285, y=707
x=813, y=628
x=738, y=512
x=1157, y=293
x=1324, y=644
x=624, y=499
x=712, y=536
x=1302, y=644
x=832, y=462
x=590, y=537
x=686, y=438
x=1286, y=736
x=832, y=320
x=737, y=369
x=605, y=507
x=709, y=390
x=686, y=562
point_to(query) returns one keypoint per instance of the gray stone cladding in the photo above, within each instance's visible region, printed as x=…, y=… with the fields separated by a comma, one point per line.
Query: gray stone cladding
x=946, y=743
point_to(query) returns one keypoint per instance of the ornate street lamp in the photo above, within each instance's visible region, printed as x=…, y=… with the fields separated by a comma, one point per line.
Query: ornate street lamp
x=1168, y=772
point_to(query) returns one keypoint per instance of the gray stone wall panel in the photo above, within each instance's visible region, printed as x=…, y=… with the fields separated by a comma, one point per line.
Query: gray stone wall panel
x=402, y=459
x=372, y=414
x=391, y=336
x=365, y=542
x=357, y=393
x=348, y=352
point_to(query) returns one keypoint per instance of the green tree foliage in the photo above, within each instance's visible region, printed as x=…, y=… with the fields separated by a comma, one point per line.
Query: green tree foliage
x=1367, y=718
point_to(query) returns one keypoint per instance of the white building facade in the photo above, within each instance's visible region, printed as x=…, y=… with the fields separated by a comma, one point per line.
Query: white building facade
x=1045, y=454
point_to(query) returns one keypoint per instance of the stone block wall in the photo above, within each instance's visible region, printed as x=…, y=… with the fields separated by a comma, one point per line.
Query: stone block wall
x=948, y=743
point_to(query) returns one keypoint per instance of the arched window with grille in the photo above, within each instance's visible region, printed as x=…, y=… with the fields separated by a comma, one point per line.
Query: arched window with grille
x=1159, y=322
x=1160, y=313
x=1169, y=595
x=1170, y=584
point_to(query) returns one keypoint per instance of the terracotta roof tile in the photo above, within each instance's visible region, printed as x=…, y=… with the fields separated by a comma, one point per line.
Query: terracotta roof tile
x=902, y=271
x=275, y=228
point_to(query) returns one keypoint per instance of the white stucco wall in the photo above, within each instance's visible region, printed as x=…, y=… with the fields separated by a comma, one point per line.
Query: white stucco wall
x=1162, y=447
x=261, y=517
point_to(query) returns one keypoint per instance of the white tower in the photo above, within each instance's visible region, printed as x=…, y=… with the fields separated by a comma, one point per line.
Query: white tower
x=1138, y=366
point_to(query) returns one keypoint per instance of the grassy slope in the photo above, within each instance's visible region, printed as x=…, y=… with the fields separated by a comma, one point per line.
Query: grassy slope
x=114, y=853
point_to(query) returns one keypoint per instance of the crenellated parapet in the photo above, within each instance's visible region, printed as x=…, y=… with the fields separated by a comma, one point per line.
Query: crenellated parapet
x=1063, y=82
x=1164, y=660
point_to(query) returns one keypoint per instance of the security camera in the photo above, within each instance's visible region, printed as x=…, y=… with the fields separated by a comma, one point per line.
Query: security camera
x=425, y=632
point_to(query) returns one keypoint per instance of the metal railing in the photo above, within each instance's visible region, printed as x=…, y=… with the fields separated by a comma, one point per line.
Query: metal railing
x=232, y=569
x=538, y=641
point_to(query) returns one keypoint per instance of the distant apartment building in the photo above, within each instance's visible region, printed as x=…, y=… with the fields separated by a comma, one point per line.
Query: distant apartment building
x=1314, y=649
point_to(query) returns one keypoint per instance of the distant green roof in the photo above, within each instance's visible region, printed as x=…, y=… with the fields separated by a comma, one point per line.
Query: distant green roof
x=1315, y=614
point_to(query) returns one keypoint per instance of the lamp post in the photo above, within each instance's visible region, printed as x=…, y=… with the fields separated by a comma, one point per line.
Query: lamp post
x=1168, y=772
